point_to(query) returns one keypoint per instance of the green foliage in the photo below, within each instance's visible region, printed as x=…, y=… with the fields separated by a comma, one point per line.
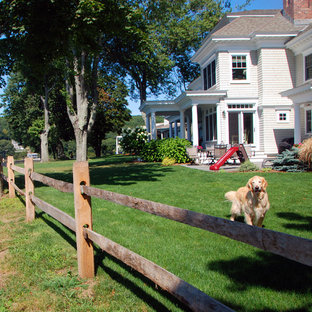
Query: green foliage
x=22, y=112
x=288, y=161
x=4, y=129
x=168, y=161
x=112, y=111
x=133, y=140
x=6, y=148
x=174, y=148
x=248, y=166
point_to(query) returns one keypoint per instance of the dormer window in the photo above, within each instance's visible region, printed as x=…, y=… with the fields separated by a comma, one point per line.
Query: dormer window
x=308, y=67
x=239, y=67
x=210, y=75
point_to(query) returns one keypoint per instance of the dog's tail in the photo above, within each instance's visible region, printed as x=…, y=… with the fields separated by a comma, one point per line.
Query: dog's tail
x=230, y=195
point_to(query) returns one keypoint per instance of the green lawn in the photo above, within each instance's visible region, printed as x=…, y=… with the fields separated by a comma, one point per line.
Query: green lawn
x=238, y=275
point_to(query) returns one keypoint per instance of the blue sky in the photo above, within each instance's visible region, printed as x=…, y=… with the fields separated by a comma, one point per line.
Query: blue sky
x=254, y=5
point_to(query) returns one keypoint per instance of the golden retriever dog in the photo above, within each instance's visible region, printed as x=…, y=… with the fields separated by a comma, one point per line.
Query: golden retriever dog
x=251, y=200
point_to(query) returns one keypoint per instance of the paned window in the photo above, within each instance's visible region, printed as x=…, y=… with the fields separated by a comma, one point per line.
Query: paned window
x=308, y=67
x=282, y=116
x=211, y=124
x=309, y=121
x=239, y=67
x=210, y=75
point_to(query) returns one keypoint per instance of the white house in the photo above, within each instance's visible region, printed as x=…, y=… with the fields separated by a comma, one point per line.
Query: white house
x=247, y=63
x=301, y=94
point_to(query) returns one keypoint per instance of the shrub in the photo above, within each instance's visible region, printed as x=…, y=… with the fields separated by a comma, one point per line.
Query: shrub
x=305, y=152
x=288, y=161
x=157, y=150
x=6, y=148
x=133, y=140
x=168, y=161
x=248, y=166
x=151, y=151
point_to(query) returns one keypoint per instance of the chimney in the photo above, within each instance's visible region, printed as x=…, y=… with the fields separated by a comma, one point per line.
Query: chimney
x=299, y=11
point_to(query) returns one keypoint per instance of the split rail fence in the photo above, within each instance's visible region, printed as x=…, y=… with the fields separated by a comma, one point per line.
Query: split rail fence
x=288, y=246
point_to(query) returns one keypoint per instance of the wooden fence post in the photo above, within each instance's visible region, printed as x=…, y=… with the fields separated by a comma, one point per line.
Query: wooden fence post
x=29, y=189
x=83, y=217
x=11, y=176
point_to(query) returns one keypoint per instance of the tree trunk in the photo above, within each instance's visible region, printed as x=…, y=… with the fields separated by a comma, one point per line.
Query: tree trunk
x=81, y=144
x=44, y=146
x=83, y=118
x=44, y=136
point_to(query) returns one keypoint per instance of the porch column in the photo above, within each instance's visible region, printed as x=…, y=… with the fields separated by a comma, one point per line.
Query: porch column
x=170, y=130
x=154, y=130
x=182, y=125
x=219, y=124
x=147, y=123
x=188, y=124
x=195, y=125
x=297, y=130
x=175, y=129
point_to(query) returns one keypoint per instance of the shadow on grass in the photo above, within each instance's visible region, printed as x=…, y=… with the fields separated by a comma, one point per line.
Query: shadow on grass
x=304, y=223
x=266, y=270
x=113, y=171
x=100, y=256
x=63, y=231
x=135, y=289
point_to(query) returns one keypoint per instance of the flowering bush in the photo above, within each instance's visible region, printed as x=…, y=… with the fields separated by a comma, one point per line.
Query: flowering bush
x=133, y=140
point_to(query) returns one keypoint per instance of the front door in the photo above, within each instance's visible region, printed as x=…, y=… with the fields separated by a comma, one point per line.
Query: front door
x=241, y=127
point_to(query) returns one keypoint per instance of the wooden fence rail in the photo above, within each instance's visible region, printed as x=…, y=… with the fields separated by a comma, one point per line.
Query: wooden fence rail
x=57, y=184
x=56, y=213
x=186, y=293
x=288, y=246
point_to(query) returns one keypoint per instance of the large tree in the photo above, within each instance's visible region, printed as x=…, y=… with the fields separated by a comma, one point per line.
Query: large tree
x=22, y=111
x=167, y=34
x=94, y=24
x=112, y=112
x=31, y=40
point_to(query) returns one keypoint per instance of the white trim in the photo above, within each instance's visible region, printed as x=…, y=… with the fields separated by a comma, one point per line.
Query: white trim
x=279, y=113
x=230, y=39
x=305, y=54
x=307, y=108
x=248, y=65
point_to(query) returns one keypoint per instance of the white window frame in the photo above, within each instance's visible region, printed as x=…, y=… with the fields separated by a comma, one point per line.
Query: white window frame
x=243, y=108
x=248, y=64
x=213, y=59
x=209, y=112
x=282, y=116
x=305, y=54
x=305, y=120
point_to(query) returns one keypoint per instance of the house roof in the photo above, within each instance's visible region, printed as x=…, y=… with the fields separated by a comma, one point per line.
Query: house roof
x=249, y=23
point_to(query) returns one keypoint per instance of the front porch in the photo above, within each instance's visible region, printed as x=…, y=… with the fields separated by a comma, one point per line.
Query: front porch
x=206, y=119
x=192, y=116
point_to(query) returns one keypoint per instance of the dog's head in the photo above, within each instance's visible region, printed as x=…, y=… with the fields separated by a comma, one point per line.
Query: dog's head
x=257, y=184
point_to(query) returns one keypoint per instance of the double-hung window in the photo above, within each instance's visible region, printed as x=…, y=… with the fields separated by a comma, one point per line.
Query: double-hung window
x=309, y=121
x=308, y=67
x=239, y=67
x=210, y=75
x=211, y=124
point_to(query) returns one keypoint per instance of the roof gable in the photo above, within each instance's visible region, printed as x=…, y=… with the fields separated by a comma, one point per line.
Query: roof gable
x=247, y=25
